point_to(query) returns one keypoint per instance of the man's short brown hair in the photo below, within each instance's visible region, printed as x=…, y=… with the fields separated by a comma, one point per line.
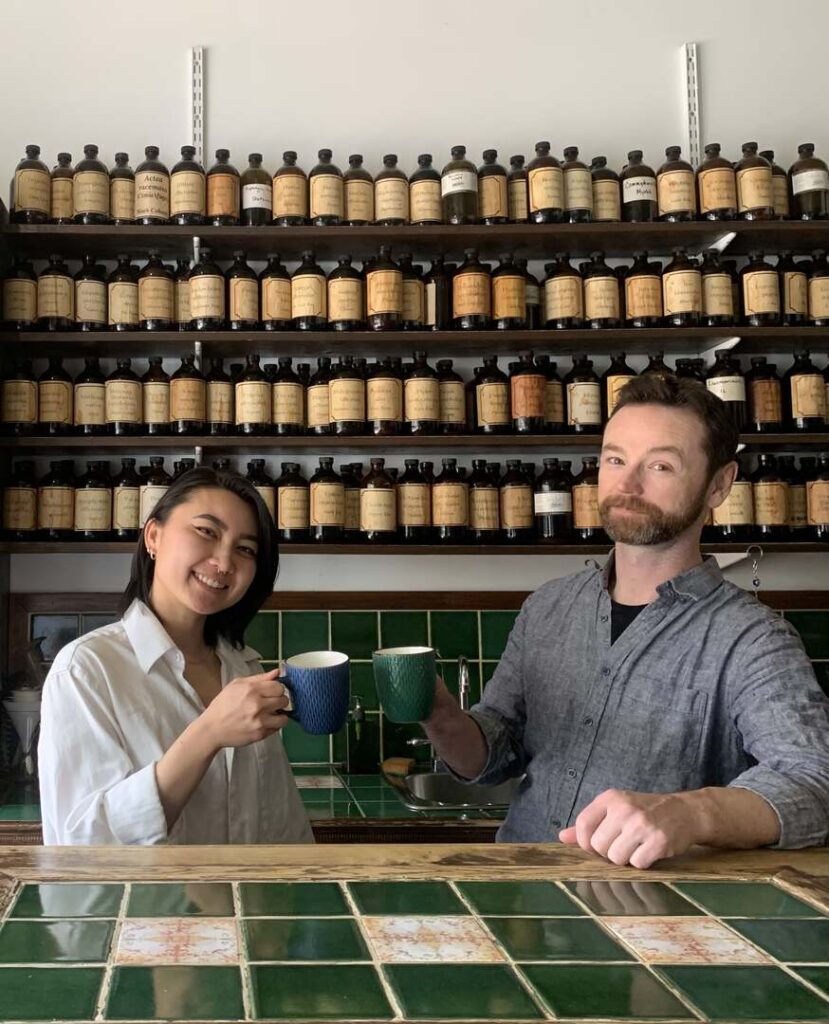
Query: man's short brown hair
x=720, y=436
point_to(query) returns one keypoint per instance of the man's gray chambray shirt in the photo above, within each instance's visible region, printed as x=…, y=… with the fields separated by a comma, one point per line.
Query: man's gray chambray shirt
x=706, y=687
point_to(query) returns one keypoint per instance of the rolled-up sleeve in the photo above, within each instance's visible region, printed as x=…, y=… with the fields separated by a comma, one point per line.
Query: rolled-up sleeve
x=783, y=719
x=91, y=793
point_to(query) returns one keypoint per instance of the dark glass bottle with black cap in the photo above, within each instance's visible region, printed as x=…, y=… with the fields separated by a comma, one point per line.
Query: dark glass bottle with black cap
x=56, y=501
x=188, y=190
x=527, y=384
x=484, y=505
x=20, y=502
x=578, y=188
x=794, y=289
x=733, y=520
x=262, y=481
x=253, y=399
x=471, y=294
x=317, y=399
x=91, y=296
x=450, y=504
x=19, y=300
x=208, y=304
x=424, y=193
x=716, y=186
x=325, y=183
x=552, y=505
x=358, y=192
x=509, y=295
x=384, y=292
x=643, y=293
x=122, y=191
x=290, y=193
x=779, y=187
x=61, y=208
x=55, y=297
x=563, y=295
x=30, y=190
x=275, y=296
x=327, y=503
x=682, y=290
x=95, y=520
x=491, y=391
x=220, y=387
x=152, y=190
x=587, y=524
x=54, y=399
x=155, y=398
x=639, y=197
x=771, y=493
x=517, y=195
x=760, y=289
x=391, y=194
x=89, y=399
x=19, y=399
x=414, y=294
x=346, y=298
x=421, y=397
x=242, y=294
x=584, y=397
x=347, y=399
x=607, y=192
x=809, y=180
x=438, y=288
x=602, y=305
x=414, y=505
x=676, y=194
x=223, y=192
x=188, y=398
x=293, y=505
x=516, y=500
x=123, y=400
x=378, y=505
x=804, y=395
x=755, y=191
x=493, y=201
x=156, y=301
x=717, y=291
x=308, y=295
x=126, y=487
x=545, y=181
x=256, y=193
x=90, y=191
x=459, y=189
x=725, y=379
x=287, y=400
x=765, y=397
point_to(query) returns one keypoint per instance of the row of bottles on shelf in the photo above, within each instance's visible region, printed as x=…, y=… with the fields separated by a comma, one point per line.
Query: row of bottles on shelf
x=545, y=191
x=778, y=501
x=386, y=398
x=387, y=294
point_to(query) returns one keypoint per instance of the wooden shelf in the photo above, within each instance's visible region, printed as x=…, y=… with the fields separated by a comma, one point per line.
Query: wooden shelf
x=535, y=241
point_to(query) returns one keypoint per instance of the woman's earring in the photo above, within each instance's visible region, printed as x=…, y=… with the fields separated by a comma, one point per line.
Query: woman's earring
x=151, y=554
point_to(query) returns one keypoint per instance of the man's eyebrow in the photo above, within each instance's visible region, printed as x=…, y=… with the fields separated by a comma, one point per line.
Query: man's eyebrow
x=672, y=448
x=223, y=525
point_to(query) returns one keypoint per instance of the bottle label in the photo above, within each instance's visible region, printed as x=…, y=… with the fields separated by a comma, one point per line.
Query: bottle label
x=90, y=405
x=754, y=188
x=219, y=401
x=244, y=299
x=207, y=296
x=55, y=401
x=771, y=503
x=287, y=399
x=187, y=193
x=717, y=189
x=126, y=508
x=318, y=407
x=601, y=298
x=347, y=401
x=345, y=299
x=766, y=401
x=492, y=401
x=55, y=296
x=326, y=195
x=682, y=292
x=738, y=507
x=452, y=396
x=563, y=297
x=90, y=192
x=424, y=202
x=19, y=401
x=391, y=199
x=471, y=294
x=222, y=195
x=527, y=395
x=414, y=301
x=93, y=508
x=123, y=401
x=533, y=294
x=553, y=503
x=155, y=298
x=290, y=195
x=378, y=510
x=795, y=293
x=607, y=200
x=450, y=504
x=517, y=506
x=578, y=189
x=19, y=300
x=813, y=180
x=808, y=396
x=484, y=511
x=586, y=507
x=20, y=508
x=728, y=389
x=414, y=505
x=518, y=200
x=422, y=399
x=181, y=292
x=818, y=298
x=359, y=200
x=798, y=517
x=293, y=508
x=149, y=497
x=546, y=188
x=253, y=401
x=780, y=194
x=258, y=196
x=675, y=192
x=122, y=200
x=458, y=181
x=327, y=503
x=188, y=399
x=554, y=402
x=155, y=396
x=62, y=206
x=123, y=302
x=384, y=292
x=31, y=190
x=639, y=189
x=761, y=292
x=509, y=297
x=268, y=494
x=90, y=302
x=492, y=196
x=56, y=508
x=384, y=399
x=352, y=509
x=717, y=295
x=308, y=295
x=817, y=502
x=152, y=194
x=613, y=388
x=276, y=299
x=643, y=296
x=584, y=403
x=431, y=304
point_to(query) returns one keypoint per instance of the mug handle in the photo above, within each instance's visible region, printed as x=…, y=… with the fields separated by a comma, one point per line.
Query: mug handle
x=290, y=710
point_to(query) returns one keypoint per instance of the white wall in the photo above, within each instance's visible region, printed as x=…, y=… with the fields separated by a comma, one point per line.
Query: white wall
x=422, y=75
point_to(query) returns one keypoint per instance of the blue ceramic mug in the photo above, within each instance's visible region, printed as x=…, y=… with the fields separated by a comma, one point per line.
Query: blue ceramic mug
x=318, y=687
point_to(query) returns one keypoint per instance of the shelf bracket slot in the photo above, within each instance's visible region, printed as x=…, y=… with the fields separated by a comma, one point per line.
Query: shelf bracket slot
x=198, y=454
x=692, y=116
x=728, y=342
x=197, y=100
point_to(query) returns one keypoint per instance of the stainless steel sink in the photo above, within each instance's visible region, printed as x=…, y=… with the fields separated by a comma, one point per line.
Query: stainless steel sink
x=422, y=790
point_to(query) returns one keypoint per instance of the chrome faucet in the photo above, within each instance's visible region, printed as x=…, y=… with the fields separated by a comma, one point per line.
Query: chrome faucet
x=463, y=683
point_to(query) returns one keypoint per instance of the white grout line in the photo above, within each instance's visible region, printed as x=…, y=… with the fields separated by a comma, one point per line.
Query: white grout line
x=377, y=964
x=106, y=984
x=244, y=965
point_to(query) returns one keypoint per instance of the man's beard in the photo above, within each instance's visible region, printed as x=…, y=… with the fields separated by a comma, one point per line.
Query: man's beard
x=652, y=526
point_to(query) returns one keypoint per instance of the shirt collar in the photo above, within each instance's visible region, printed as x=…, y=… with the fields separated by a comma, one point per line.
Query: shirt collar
x=696, y=583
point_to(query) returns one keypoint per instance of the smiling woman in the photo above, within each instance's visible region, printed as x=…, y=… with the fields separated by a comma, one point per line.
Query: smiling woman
x=162, y=727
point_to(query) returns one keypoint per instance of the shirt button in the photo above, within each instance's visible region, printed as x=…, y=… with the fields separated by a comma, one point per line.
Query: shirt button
x=604, y=618
x=571, y=773
x=605, y=671
x=556, y=823
x=588, y=721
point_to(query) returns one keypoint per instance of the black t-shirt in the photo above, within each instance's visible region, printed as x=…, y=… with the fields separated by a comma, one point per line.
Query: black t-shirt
x=621, y=616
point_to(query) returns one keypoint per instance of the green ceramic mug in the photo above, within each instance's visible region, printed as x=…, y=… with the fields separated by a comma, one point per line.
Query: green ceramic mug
x=405, y=681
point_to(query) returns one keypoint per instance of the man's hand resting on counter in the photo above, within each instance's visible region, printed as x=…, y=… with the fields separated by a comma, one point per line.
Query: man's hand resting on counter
x=641, y=828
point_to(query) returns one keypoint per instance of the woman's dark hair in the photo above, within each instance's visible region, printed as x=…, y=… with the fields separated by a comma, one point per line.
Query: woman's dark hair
x=232, y=622
x=720, y=436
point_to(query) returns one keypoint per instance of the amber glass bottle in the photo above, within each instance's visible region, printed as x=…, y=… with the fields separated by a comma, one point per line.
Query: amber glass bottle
x=378, y=505
x=657, y=367
x=639, y=195
x=578, y=188
x=275, y=296
x=19, y=299
x=438, y=296
x=552, y=505
x=493, y=201
x=156, y=295
x=563, y=295
x=764, y=395
x=424, y=193
x=358, y=193
x=345, y=296
x=220, y=399
x=725, y=379
x=584, y=397
x=61, y=205
x=817, y=500
x=545, y=184
x=292, y=506
x=30, y=191
x=19, y=399
x=509, y=295
x=309, y=307
x=188, y=398
x=188, y=189
x=484, y=505
x=796, y=516
x=414, y=505
x=326, y=191
x=317, y=399
x=682, y=291
x=290, y=193
x=89, y=399
x=516, y=505
x=452, y=416
x=183, y=315
x=123, y=400
x=263, y=482
x=223, y=192
x=90, y=189
x=242, y=295
x=779, y=186
x=208, y=305
x=414, y=294
x=716, y=186
x=55, y=297
x=384, y=399
x=421, y=397
x=384, y=292
x=152, y=190
x=527, y=383
x=675, y=193
x=804, y=394
x=809, y=177
x=287, y=400
x=771, y=500
x=391, y=193
x=643, y=293
x=253, y=399
x=56, y=502
x=517, y=192
x=733, y=520
x=755, y=194
x=794, y=290
x=607, y=191
x=450, y=504
x=471, y=294
x=327, y=504
x=587, y=523
x=492, y=399
x=90, y=296
x=257, y=193
x=20, y=502
x=93, y=503
x=347, y=399
x=717, y=291
x=351, y=474
x=554, y=417
x=459, y=189
x=760, y=287
x=155, y=398
x=818, y=290
x=54, y=399
x=122, y=191
x=613, y=380
x=602, y=307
